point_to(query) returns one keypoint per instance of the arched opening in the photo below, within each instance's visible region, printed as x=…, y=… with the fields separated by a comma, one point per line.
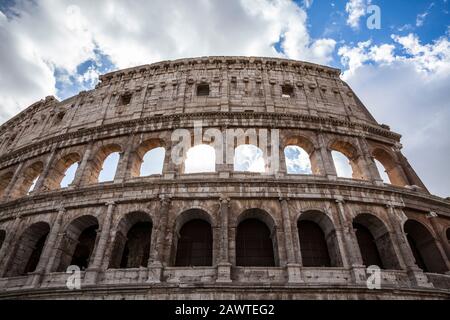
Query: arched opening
x=313, y=245
x=297, y=160
x=318, y=241
x=109, y=167
x=389, y=170
x=194, y=246
x=346, y=160
x=28, y=250
x=447, y=233
x=424, y=248
x=63, y=172
x=2, y=237
x=342, y=165
x=104, y=164
x=254, y=246
x=132, y=241
x=201, y=158
x=382, y=171
x=367, y=246
x=27, y=181
x=375, y=243
x=78, y=243
x=5, y=179
x=153, y=162
x=148, y=159
x=249, y=158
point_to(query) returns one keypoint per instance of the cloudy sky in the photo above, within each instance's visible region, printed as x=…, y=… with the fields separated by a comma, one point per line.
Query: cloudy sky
x=400, y=71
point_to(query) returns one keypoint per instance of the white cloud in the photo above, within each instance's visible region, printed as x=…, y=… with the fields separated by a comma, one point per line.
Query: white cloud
x=410, y=91
x=420, y=19
x=356, y=9
x=38, y=38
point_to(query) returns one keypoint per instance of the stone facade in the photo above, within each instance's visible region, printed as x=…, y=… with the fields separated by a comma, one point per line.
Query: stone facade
x=134, y=110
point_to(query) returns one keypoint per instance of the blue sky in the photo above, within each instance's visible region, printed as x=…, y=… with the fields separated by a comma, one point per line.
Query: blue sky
x=401, y=71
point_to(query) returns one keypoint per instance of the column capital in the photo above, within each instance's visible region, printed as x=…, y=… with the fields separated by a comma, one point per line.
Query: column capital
x=281, y=198
x=224, y=200
x=62, y=210
x=339, y=199
x=164, y=198
x=110, y=203
x=431, y=215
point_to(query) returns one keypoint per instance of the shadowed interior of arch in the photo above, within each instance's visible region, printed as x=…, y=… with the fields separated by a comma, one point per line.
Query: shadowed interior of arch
x=194, y=246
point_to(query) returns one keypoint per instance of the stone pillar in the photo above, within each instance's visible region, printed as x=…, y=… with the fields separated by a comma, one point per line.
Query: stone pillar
x=293, y=268
x=224, y=266
x=122, y=168
x=328, y=164
x=225, y=93
x=267, y=83
x=169, y=167
x=17, y=172
x=94, y=267
x=371, y=168
x=441, y=240
x=415, y=274
x=43, y=176
x=352, y=255
x=78, y=179
x=6, y=250
x=155, y=266
x=49, y=249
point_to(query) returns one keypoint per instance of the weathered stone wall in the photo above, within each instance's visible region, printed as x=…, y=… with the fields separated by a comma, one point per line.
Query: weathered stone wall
x=322, y=114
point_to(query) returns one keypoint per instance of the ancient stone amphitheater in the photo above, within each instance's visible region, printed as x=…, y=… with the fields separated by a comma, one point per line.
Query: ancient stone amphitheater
x=225, y=234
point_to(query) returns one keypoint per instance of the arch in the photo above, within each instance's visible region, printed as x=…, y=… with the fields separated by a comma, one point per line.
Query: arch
x=374, y=241
x=28, y=249
x=2, y=237
x=382, y=172
x=297, y=160
x=200, y=158
x=393, y=171
x=249, y=158
x=5, y=179
x=148, y=158
x=256, y=239
x=343, y=151
x=60, y=171
x=308, y=147
x=28, y=180
x=78, y=242
x=318, y=240
x=98, y=164
x=195, y=243
x=131, y=247
x=424, y=248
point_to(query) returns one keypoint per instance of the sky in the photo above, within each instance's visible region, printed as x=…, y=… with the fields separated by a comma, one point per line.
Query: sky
x=401, y=70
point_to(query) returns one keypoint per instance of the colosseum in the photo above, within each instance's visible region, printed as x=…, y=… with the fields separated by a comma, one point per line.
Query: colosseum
x=224, y=233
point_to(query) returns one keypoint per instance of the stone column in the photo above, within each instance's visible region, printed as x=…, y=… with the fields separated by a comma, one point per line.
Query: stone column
x=293, y=268
x=94, y=267
x=224, y=266
x=17, y=172
x=78, y=179
x=122, y=168
x=48, y=164
x=328, y=164
x=169, y=167
x=441, y=240
x=352, y=256
x=49, y=249
x=371, y=168
x=155, y=266
x=415, y=274
x=6, y=250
